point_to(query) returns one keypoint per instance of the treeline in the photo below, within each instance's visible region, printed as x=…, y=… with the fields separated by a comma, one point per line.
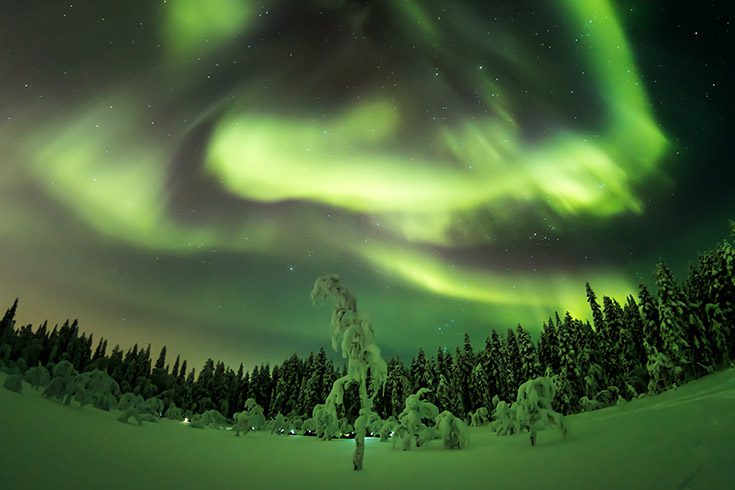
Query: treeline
x=647, y=344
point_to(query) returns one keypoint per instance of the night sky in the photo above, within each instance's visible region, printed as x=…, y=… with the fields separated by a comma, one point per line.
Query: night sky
x=181, y=171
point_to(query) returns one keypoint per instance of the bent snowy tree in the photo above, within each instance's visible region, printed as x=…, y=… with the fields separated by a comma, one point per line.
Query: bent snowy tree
x=356, y=337
x=533, y=408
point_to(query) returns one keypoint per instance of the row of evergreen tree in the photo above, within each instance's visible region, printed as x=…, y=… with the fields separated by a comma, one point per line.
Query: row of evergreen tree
x=647, y=344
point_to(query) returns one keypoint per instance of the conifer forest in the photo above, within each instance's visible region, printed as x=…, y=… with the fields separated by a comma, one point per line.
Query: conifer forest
x=644, y=344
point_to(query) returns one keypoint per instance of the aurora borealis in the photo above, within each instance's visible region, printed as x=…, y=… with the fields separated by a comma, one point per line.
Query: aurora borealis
x=181, y=171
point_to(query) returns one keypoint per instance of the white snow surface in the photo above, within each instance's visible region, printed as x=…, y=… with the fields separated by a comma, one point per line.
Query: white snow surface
x=681, y=439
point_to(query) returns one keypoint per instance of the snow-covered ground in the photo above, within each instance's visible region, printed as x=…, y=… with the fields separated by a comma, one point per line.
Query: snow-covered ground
x=682, y=439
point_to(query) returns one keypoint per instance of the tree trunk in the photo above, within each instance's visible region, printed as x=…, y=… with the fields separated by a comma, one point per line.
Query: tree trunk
x=359, y=454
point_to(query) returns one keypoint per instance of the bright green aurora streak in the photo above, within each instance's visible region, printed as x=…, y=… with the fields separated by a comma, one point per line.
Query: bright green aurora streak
x=394, y=179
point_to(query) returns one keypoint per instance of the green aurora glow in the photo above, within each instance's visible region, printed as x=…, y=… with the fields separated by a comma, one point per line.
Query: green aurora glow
x=446, y=161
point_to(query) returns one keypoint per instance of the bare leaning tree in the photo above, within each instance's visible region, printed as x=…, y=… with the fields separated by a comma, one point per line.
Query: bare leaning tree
x=356, y=338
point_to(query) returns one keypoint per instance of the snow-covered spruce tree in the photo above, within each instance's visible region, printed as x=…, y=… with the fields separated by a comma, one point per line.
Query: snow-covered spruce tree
x=718, y=333
x=505, y=421
x=155, y=406
x=533, y=408
x=512, y=362
x=465, y=360
x=479, y=417
x=420, y=372
x=661, y=371
x=412, y=429
x=386, y=428
x=61, y=386
x=279, y=424
x=637, y=375
x=530, y=366
x=326, y=423
x=496, y=365
x=548, y=349
x=287, y=387
x=569, y=381
x=673, y=314
x=597, y=318
x=651, y=322
x=479, y=392
x=134, y=406
x=211, y=419
x=37, y=377
x=174, y=413
x=452, y=430
x=14, y=382
x=358, y=347
x=488, y=370
x=251, y=418
x=96, y=388
x=447, y=397
x=396, y=386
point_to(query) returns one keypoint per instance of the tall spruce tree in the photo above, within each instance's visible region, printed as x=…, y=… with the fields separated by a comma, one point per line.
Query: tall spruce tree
x=512, y=361
x=652, y=343
x=610, y=343
x=530, y=366
x=597, y=319
x=548, y=349
x=672, y=313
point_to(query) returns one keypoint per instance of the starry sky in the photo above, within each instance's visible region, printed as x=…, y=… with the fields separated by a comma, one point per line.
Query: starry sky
x=179, y=171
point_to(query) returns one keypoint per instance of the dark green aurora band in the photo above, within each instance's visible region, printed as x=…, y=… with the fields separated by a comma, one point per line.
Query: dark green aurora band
x=180, y=171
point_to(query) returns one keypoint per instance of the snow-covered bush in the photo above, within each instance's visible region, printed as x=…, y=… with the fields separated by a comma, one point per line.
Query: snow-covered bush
x=453, y=431
x=251, y=418
x=622, y=403
x=326, y=424
x=589, y=405
x=662, y=373
x=495, y=400
x=155, y=406
x=279, y=425
x=593, y=380
x=609, y=396
x=241, y=423
x=295, y=422
x=533, y=408
x=367, y=422
x=387, y=427
x=134, y=406
x=37, y=377
x=21, y=366
x=505, y=422
x=308, y=426
x=174, y=413
x=96, y=388
x=416, y=422
x=255, y=414
x=345, y=427
x=14, y=382
x=211, y=419
x=479, y=417
x=61, y=387
x=5, y=351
